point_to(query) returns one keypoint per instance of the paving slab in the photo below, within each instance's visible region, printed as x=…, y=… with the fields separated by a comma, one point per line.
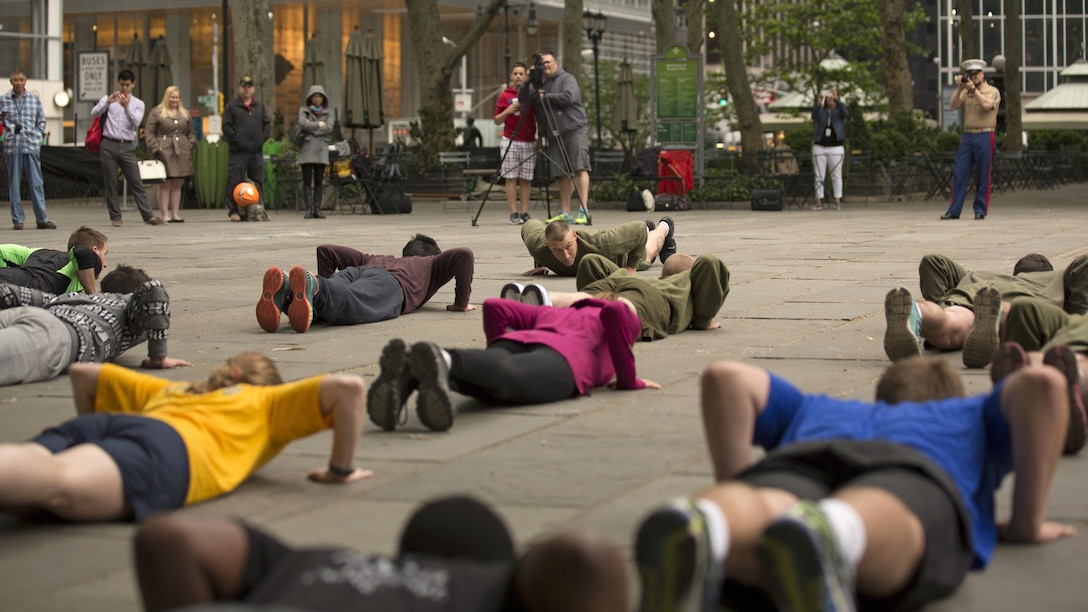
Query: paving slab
x=806, y=301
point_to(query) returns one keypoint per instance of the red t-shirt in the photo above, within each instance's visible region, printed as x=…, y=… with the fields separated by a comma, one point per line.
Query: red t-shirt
x=527, y=133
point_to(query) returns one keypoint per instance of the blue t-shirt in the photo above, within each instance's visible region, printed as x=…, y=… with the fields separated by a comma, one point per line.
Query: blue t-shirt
x=967, y=437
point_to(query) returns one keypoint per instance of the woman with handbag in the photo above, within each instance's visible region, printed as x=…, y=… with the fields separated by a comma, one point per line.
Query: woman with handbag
x=313, y=153
x=170, y=139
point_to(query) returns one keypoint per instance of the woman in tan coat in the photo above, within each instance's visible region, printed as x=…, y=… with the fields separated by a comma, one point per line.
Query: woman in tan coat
x=170, y=139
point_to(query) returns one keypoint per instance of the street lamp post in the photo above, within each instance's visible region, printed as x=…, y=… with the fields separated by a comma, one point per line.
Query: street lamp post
x=531, y=26
x=594, y=24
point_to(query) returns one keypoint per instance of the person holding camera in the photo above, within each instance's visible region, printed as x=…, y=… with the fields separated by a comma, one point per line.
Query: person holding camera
x=568, y=139
x=122, y=114
x=24, y=126
x=828, y=152
x=979, y=101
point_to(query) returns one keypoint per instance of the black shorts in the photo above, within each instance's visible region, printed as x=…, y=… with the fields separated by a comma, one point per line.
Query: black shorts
x=152, y=457
x=815, y=470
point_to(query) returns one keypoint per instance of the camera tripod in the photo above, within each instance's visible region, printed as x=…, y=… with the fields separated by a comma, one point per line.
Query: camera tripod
x=566, y=167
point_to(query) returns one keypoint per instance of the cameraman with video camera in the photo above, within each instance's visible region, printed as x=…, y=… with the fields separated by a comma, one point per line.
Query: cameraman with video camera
x=980, y=102
x=563, y=120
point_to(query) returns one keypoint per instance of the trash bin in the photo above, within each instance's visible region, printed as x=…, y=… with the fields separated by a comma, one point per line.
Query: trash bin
x=210, y=176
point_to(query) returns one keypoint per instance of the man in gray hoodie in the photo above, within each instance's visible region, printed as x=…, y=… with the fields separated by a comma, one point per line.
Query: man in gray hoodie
x=563, y=121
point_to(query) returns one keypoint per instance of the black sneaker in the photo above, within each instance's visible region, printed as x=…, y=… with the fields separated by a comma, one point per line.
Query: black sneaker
x=668, y=249
x=675, y=563
x=980, y=345
x=429, y=368
x=802, y=564
x=390, y=390
x=515, y=219
x=1065, y=360
x=525, y=217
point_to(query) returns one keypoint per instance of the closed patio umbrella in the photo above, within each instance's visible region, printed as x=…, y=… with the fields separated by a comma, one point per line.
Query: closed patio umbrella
x=136, y=60
x=363, y=83
x=313, y=66
x=160, y=69
x=626, y=106
x=626, y=101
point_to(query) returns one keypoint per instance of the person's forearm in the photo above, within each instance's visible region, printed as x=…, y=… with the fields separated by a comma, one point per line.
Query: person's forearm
x=345, y=399
x=86, y=278
x=84, y=380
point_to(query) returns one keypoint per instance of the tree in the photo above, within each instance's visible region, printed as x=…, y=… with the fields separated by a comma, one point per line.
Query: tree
x=436, y=64
x=664, y=15
x=251, y=30
x=572, y=40
x=968, y=45
x=896, y=69
x=736, y=74
x=1014, y=127
x=695, y=26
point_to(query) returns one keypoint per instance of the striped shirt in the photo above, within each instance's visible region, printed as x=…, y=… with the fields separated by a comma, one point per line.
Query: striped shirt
x=106, y=324
x=25, y=111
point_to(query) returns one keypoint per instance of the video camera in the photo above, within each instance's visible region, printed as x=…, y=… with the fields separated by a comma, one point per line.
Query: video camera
x=536, y=73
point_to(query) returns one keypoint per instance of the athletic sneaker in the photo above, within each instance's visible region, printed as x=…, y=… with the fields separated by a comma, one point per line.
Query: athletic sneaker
x=275, y=297
x=668, y=248
x=582, y=218
x=675, y=562
x=981, y=342
x=429, y=368
x=515, y=219
x=388, y=393
x=802, y=564
x=1065, y=360
x=304, y=287
x=535, y=295
x=650, y=225
x=512, y=291
x=903, y=320
x=1010, y=357
x=525, y=217
x=562, y=216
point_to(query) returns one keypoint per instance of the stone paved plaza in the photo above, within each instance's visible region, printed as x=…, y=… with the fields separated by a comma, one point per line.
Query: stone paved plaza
x=806, y=301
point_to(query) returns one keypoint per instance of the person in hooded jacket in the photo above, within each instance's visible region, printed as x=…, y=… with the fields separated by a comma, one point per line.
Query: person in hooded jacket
x=313, y=155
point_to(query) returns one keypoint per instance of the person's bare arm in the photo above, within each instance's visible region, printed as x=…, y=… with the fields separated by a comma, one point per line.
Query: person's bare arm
x=1034, y=404
x=537, y=271
x=163, y=363
x=456, y=308
x=344, y=397
x=84, y=380
x=87, y=279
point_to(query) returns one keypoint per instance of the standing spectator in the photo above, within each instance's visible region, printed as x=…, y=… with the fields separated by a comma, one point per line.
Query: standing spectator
x=568, y=140
x=24, y=124
x=471, y=138
x=170, y=139
x=123, y=114
x=517, y=150
x=245, y=126
x=828, y=153
x=313, y=155
x=980, y=102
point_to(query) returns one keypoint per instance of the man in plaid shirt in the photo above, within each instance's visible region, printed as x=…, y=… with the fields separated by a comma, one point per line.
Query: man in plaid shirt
x=24, y=127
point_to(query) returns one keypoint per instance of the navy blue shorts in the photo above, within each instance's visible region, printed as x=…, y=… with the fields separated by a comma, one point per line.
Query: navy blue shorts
x=152, y=457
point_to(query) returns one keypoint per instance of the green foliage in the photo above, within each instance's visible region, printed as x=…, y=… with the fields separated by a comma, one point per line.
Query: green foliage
x=611, y=137
x=1059, y=140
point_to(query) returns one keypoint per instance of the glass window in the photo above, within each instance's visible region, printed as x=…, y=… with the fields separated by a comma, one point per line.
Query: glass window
x=1074, y=7
x=1074, y=40
x=991, y=38
x=1034, y=42
x=1034, y=7
x=1034, y=82
x=991, y=7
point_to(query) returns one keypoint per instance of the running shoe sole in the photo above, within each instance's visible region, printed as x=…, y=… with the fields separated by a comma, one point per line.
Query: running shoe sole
x=899, y=340
x=512, y=291
x=675, y=568
x=802, y=567
x=274, y=293
x=1010, y=357
x=1065, y=360
x=982, y=341
x=535, y=295
x=433, y=401
x=303, y=288
x=385, y=398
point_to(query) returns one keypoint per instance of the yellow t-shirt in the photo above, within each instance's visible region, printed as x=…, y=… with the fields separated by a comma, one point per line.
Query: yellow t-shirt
x=229, y=433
